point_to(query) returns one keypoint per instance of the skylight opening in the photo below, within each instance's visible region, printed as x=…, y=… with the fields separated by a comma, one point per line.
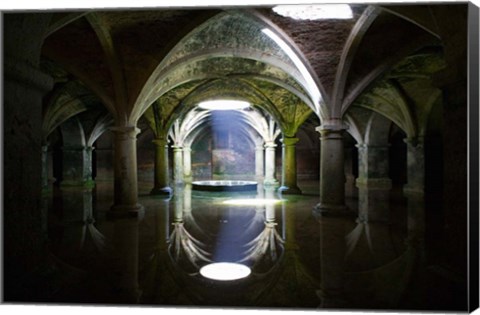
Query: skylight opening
x=314, y=12
x=224, y=105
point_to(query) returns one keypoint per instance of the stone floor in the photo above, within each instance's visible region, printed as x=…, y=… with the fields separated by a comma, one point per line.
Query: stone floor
x=298, y=260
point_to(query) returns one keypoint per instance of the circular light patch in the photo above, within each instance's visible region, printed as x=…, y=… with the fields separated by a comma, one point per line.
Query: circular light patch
x=251, y=202
x=225, y=271
x=223, y=105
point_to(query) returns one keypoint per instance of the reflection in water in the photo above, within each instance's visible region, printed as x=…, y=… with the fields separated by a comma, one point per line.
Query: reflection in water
x=124, y=261
x=225, y=271
x=182, y=242
x=332, y=259
x=297, y=260
x=267, y=242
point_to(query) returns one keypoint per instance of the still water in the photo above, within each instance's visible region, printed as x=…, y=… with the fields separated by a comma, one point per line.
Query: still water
x=372, y=259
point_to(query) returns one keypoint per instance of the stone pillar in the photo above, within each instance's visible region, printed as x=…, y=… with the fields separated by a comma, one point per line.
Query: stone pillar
x=45, y=173
x=24, y=86
x=332, y=262
x=414, y=191
x=289, y=170
x=88, y=166
x=187, y=198
x=178, y=205
x=269, y=207
x=187, y=164
x=289, y=223
x=373, y=183
x=123, y=267
x=125, y=170
x=350, y=188
x=270, y=179
x=77, y=166
x=332, y=176
x=178, y=165
x=162, y=225
x=161, y=182
x=415, y=166
x=259, y=160
x=77, y=214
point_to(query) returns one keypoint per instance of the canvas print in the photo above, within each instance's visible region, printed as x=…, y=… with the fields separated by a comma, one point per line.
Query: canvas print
x=278, y=157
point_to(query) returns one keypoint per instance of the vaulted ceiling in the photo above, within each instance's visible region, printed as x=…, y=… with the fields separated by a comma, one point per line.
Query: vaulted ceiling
x=174, y=58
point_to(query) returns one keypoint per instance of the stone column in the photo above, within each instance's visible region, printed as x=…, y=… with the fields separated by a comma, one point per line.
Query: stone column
x=373, y=183
x=350, y=188
x=269, y=207
x=24, y=86
x=178, y=205
x=162, y=225
x=270, y=179
x=415, y=166
x=45, y=186
x=161, y=182
x=125, y=171
x=77, y=166
x=178, y=165
x=187, y=198
x=259, y=160
x=289, y=223
x=332, y=172
x=77, y=213
x=332, y=262
x=289, y=169
x=88, y=166
x=187, y=164
x=414, y=191
x=124, y=262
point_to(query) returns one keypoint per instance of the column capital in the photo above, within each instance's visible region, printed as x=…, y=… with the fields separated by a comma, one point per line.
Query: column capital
x=160, y=142
x=187, y=149
x=75, y=148
x=126, y=131
x=414, y=141
x=270, y=144
x=289, y=141
x=332, y=130
x=372, y=147
x=334, y=124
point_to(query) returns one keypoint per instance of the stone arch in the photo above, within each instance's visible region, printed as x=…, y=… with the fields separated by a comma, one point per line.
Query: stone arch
x=240, y=47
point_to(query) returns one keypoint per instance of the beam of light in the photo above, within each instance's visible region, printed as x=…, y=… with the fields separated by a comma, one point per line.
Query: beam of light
x=251, y=202
x=315, y=11
x=224, y=271
x=223, y=105
x=311, y=85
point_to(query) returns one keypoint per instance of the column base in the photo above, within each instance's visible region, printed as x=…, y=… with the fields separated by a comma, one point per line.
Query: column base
x=165, y=191
x=46, y=190
x=286, y=190
x=329, y=210
x=125, y=212
x=332, y=300
x=270, y=182
x=77, y=183
x=413, y=191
